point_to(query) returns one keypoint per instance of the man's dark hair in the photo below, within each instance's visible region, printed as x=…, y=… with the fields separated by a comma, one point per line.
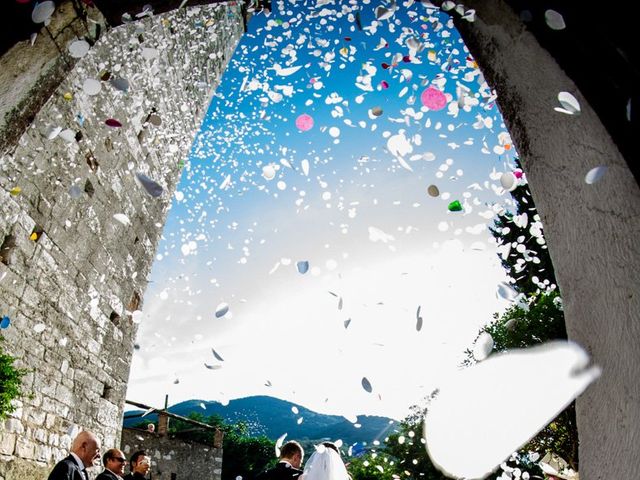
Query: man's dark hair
x=136, y=456
x=290, y=448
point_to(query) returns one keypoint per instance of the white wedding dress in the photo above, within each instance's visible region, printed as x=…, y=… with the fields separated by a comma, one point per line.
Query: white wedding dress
x=325, y=464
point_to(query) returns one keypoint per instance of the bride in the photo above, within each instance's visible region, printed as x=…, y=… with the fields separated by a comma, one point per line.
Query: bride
x=325, y=464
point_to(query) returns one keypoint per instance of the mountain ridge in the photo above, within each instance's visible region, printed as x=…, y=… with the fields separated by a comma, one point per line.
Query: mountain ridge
x=273, y=417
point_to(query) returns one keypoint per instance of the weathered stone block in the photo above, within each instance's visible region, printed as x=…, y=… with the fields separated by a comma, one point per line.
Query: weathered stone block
x=7, y=443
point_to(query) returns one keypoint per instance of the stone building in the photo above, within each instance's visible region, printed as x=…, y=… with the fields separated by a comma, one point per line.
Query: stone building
x=78, y=224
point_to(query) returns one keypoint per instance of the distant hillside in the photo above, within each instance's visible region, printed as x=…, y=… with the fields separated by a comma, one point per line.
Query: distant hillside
x=273, y=417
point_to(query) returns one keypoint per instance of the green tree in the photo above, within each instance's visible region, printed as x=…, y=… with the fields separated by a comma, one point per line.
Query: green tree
x=524, y=255
x=243, y=455
x=521, y=245
x=518, y=328
x=402, y=455
x=10, y=382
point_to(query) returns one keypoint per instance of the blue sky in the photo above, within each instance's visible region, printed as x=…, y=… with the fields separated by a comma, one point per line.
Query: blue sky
x=349, y=196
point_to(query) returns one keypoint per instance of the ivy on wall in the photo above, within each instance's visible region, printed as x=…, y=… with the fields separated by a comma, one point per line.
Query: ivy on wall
x=10, y=382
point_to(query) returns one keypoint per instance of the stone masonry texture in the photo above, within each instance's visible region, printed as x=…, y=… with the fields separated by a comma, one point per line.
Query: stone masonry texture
x=592, y=230
x=72, y=275
x=173, y=459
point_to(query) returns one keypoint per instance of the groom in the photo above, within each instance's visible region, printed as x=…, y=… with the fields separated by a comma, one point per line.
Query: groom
x=288, y=466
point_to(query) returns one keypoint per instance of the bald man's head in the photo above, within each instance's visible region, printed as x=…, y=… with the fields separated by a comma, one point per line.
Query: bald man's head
x=86, y=446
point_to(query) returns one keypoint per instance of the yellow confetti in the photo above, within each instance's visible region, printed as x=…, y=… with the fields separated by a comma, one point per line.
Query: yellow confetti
x=15, y=191
x=209, y=22
x=432, y=55
x=344, y=51
x=67, y=96
x=165, y=22
x=34, y=236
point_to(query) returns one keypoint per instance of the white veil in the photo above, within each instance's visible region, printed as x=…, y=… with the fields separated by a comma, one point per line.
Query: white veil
x=325, y=464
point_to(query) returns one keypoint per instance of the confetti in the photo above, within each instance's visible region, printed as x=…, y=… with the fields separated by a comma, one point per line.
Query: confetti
x=455, y=206
x=433, y=99
x=78, y=48
x=218, y=357
x=595, y=175
x=366, y=385
x=91, y=87
x=555, y=20
x=492, y=427
x=122, y=218
x=5, y=322
x=151, y=186
x=570, y=104
x=221, y=310
x=304, y=122
x=483, y=346
x=42, y=12
x=112, y=122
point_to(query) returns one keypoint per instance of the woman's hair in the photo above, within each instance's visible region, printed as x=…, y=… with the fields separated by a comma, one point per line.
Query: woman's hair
x=332, y=446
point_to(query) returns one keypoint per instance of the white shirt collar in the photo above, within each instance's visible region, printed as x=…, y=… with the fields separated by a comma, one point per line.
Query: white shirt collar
x=78, y=461
x=117, y=476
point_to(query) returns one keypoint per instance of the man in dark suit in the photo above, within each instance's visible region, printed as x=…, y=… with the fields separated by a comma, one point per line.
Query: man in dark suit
x=139, y=465
x=85, y=450
x=114, y=462
x=288, y=466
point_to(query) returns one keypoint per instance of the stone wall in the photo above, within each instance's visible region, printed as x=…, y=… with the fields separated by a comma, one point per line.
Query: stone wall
x=72, y=275
x=592, y=230
x=173, y=459
x=30, y=72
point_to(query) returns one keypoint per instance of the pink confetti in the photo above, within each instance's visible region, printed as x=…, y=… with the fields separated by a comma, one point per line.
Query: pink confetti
x=304, y=122
x=112, y=122
x=517, y=173
x=384, y=84
x=433, y=99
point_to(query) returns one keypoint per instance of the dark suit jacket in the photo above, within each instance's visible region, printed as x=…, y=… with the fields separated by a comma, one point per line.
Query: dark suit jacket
x=282, y=471
x=107, y=475
x=66, y=469
x=134, y=476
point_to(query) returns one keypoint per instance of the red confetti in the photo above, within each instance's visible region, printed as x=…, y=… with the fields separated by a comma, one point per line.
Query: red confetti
x=112, y=122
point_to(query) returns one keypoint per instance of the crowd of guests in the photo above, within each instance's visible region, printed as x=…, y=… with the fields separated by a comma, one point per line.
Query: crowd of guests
x=324, y=464
x=85, y=451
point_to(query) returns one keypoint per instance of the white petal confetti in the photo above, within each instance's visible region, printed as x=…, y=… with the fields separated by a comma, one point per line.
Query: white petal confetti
x=122, y=218
x=483, y=346
x=492, y=427
x=570, y=104
x=554, y=20
x=91, y=86
x=595, y=175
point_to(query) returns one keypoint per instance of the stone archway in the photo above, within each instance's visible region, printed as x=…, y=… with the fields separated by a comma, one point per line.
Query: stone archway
x=79, y=273
x=72, y=273
x=591, y=230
